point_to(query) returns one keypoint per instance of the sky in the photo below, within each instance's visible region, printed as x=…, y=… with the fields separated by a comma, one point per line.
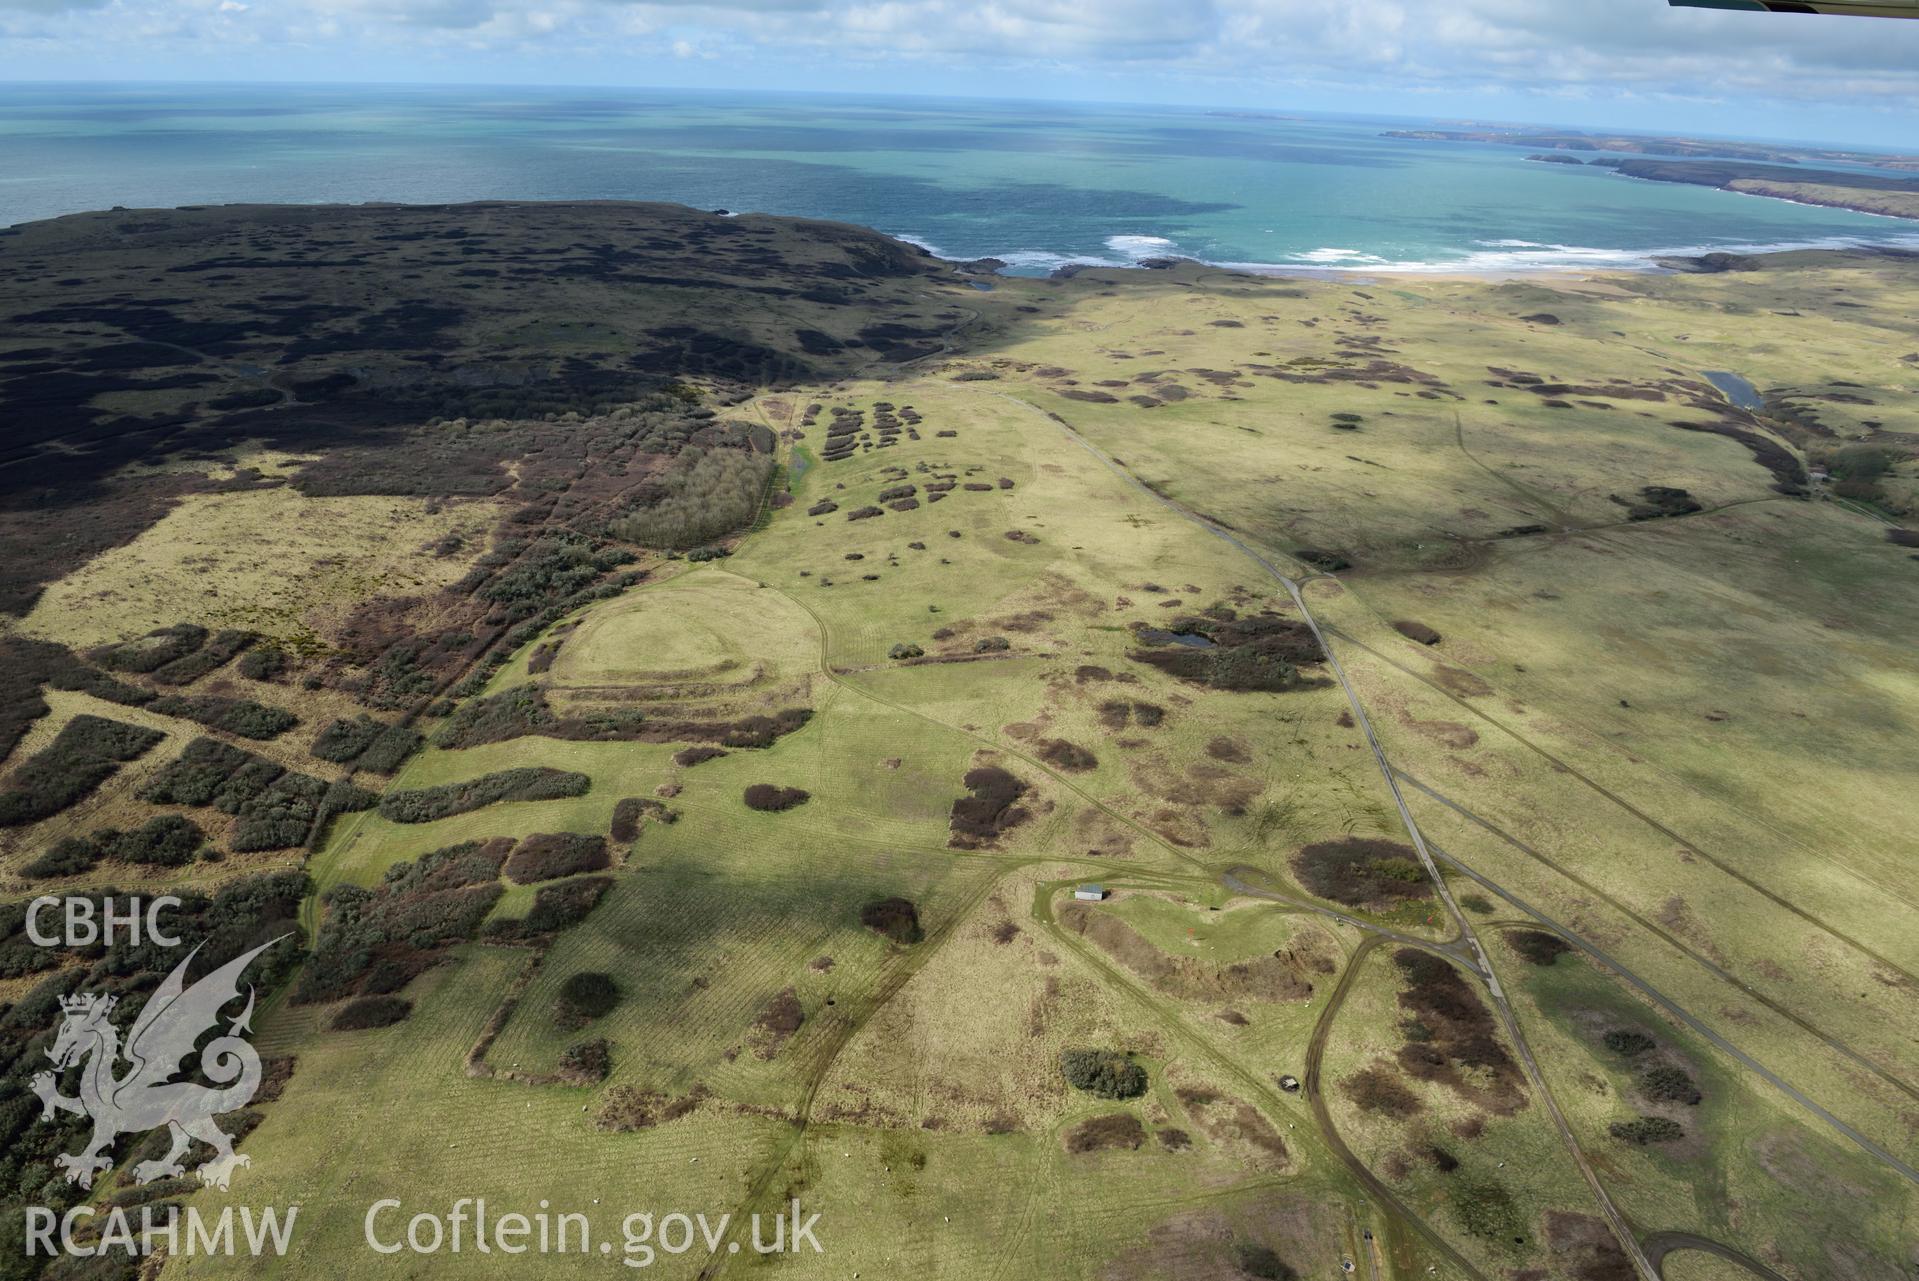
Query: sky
x=1605, y=63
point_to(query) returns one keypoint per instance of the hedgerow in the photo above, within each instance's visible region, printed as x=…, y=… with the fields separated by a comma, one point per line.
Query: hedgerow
x=153, y=651
x=240, y=716
x=168, y=841
x=215, y=654
x=84, y=754
x=369, y=744
x=527, y=783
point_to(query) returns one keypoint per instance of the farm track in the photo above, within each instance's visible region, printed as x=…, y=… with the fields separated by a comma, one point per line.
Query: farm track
x=1562, y=525
x=1383, y=1195
x=1652, y=927
x=1562, y=766
x=1312, y=1086
x=1661, y=1244
x=1621, y=1229
x=1464, y=947
x=837, y=677
x=1679, y=1012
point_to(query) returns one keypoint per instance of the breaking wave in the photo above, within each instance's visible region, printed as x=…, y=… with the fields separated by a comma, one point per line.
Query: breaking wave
x=1485, y=257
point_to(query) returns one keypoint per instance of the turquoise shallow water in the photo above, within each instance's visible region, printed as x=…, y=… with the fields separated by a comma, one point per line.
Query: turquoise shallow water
x=1037, y=184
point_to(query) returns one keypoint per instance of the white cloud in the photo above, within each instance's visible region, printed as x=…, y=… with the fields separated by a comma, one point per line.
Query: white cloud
x=1532, y=45
x=1570, y=48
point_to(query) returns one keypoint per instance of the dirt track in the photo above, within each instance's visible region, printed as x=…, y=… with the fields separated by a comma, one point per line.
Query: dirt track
x=1622, y=1230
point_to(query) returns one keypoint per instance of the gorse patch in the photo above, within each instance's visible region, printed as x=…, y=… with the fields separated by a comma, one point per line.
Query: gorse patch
x=366, y=743
x=241, y=716
x=84, y=754
x=586, y=995
x=551, y=855
x=1106, y=1073
x=705, y=494
x=527, y=783
x=380, y=938
x=167, y=841
x=772, y=798
x=896, y=918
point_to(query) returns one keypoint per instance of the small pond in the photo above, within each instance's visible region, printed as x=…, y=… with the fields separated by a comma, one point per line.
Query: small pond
x=1739, y=391
x=1159, y=636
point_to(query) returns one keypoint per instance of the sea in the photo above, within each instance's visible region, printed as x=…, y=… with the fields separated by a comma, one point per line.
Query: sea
x=1035, y=184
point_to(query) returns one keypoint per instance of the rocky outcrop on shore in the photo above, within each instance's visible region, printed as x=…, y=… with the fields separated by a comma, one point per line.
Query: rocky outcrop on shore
x=1711, y=264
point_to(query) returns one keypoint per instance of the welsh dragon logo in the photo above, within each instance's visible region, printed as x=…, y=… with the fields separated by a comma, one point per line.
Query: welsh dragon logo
x=144, y=1097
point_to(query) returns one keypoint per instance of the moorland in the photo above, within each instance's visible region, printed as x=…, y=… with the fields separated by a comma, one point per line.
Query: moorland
x=674, y=673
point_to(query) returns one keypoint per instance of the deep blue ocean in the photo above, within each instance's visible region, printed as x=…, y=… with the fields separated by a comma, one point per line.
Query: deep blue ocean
x=1036, y=184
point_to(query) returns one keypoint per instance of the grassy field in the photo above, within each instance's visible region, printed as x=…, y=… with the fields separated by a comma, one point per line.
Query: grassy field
x=272, y=561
